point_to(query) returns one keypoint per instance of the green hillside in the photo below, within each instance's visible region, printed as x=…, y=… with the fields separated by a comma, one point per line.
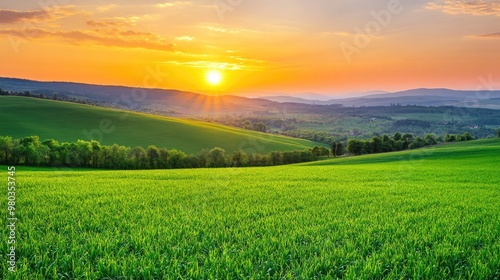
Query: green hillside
x=460, y=153
x=21, y=116
x=422, y=214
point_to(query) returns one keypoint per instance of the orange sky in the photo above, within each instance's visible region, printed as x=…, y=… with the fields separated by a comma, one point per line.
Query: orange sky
x=259, y=46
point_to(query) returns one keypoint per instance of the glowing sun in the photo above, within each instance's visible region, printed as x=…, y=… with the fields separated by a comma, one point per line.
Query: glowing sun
x=214, y=77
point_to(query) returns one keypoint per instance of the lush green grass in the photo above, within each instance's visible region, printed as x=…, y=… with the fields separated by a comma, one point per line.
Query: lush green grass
x=452, y=153
x=67, y=122
x=424, y=214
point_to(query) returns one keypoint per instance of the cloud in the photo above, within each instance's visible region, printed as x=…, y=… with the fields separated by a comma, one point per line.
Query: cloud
x=221, y=30
x=173, y=4
x=231, y=63
x=123, y=39
x=490, y=36
x=184, y=38
x=10, y=16
x=470, y=7
x=336, y=34
x=105, y=23
x=106, y=8
x=114, y=31
x=115, y=22
x=53, y=13
x=207, y=64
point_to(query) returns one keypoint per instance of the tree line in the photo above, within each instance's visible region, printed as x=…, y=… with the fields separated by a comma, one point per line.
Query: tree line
x=400, y=142
x=31, y=151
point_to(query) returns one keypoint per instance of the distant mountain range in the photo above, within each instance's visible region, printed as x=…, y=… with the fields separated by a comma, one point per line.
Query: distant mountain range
x=182, y=103
x=420, y=97
x=162, y=101
x=309, y=96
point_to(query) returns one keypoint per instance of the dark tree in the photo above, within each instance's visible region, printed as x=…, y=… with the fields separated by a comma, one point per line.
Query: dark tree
x=105, y=156
x=239, y=158
x=95, y=153
x=154, y=156
x=397, y=136
x=355, y=147
x=163, y=158
x=6, y=148
x=316, y=151
x=176, y=159
x=276, y=158
x=216, y=158
x=260, y=126
x=430, y=139
x=334, y=148
x=324, y=151
x=29, y=150
x=340, y=149
x=407, y=139
x=376, y=144
x=467, y=137
x=139, y=157
x=53, y=146
x=450, y=138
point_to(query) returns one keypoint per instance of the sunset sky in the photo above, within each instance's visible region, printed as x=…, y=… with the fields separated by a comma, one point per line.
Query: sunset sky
x=256, y=46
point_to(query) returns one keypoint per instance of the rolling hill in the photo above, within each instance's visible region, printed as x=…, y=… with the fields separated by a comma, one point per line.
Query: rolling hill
x=22, y=116
x=419, y=97
x=448, y=154
x=170, y=102
x=159, y=101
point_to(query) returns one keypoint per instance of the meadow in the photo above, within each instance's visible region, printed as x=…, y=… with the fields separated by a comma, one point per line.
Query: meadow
x=431, y=213
x=69, y=122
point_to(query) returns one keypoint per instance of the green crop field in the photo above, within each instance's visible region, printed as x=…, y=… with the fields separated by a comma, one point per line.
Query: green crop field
x=423, y=214
x=69, y=122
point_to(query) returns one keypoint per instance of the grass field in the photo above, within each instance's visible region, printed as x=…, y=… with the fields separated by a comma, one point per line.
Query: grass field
x=424, y=214
x=66, y=122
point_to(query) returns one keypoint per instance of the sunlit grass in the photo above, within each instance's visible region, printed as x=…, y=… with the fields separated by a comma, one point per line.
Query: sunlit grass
x=411, y=215
x=68, y=122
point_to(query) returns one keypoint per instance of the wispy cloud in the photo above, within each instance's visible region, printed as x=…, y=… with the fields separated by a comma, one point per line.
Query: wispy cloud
x=116, y=31
x=48, y=15
x=229, y=63
x=221, y=29
x=184, y=38
x=106, y=8
x=471, y=7
x=115, y=38
x=104, y=23
x=489, y=36
x=9, y=16
x=114, y=22
x=207, y=64
x=173, y=4
x=53, y=13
